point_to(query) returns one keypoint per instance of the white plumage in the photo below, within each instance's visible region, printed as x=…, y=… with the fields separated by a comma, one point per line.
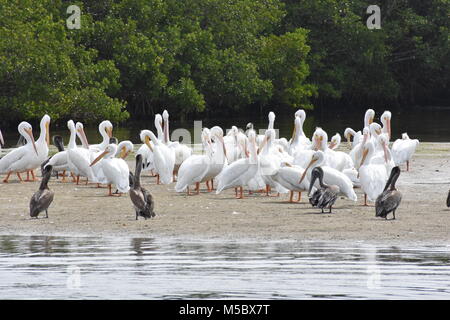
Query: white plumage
x=373, y=176
x=331, y=176
x=163, y=156
x=18, y=160
x=403, y=149
x=238, y=173
x=116, y=170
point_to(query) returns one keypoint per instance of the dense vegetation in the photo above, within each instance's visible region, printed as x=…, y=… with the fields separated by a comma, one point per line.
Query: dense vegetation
x=135, y=57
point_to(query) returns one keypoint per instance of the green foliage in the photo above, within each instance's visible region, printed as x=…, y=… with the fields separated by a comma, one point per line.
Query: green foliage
x=43, y=71
x=405, y=62
x=136, y=57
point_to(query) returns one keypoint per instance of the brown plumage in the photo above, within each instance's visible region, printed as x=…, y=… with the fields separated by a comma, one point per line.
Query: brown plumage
x=41, y=199
x=448, y=199
x=141, y=198
x=389, y=200
x=326, y=195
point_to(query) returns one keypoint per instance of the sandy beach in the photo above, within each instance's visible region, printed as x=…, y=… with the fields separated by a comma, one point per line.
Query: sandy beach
x=85, y=210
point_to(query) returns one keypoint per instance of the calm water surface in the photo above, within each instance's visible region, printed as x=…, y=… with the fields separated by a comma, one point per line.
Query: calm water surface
x=430, y=125
x=42, y=267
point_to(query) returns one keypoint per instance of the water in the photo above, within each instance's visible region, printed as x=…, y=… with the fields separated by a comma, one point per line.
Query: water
x=45, y=267
x=427, y=125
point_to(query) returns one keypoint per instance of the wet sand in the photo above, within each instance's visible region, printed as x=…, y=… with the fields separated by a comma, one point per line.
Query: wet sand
x=85, y=210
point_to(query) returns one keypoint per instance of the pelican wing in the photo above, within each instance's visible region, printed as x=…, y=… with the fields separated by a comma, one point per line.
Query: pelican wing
x=387, y=202
x=16, y=160
x=236, y=174
x=192, y=170
x=40, y=201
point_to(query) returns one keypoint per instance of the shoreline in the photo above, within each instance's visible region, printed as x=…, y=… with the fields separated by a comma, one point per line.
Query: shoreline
x=86, y=211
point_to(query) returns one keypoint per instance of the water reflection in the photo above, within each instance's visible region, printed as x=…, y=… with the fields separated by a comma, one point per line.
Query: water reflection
x=142, y=268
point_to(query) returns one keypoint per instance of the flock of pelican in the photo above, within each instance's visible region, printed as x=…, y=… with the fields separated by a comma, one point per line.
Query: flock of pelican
x=236, y=160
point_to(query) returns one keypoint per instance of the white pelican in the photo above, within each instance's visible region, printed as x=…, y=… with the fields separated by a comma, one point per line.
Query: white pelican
x=238, y=173
x=287, y=176
x=299, y=141
x=42, y=144
x=403, y=150
x=335, y=159
x=279, y=142
x=182, y=151
x=115, y=170
x=105, y=128
x=386, y=121
x=18, y=160
x=335, y=142
x=357, y=151
x=79, y=159
x=373, y=176
x=218, y=158
x=384, y=157
x=193, y=169
x=2, y=142
x=270, y=162
x=144, y=150
x=259, y=137
x=124, y=148
x=232, y=145
x=59, y=161
x=271, y=117
x=163, y=156
x=375, y=131
x=331, y=176
x=357, y=136
x=368, y=117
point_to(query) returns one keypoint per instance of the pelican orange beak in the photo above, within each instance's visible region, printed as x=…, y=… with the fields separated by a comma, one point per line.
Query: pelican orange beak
x=389, y=128
x=304, y=172
x=370, y=120
x=244, y=148
x=83, y=138
x=147, y=142
x=47, y=133
x=365, y=152
x=2, y=142
x=332, y=145
x=30, y=133
x=99, y=158
x=124, y=153
x=223, y=146
x=348, y=140
x=109, y=131
x=385, y=153
x=294, y=131
x=263, y=144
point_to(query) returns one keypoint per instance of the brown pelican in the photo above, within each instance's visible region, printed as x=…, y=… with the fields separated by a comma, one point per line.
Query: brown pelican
x=141, y=198
x=448, y=199
x=42, y=198
x=326, y=195
x=389, y=200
